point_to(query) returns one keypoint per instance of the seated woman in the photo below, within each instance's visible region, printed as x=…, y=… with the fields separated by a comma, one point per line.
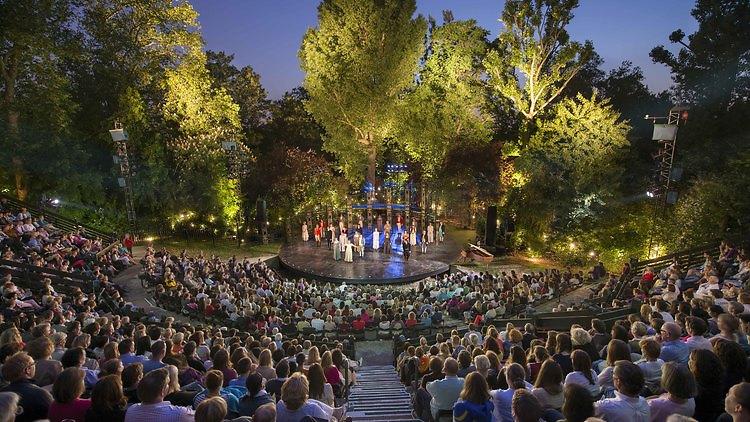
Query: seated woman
x=680, y=388
x=67, y=391
x=296, y=405
x=475, y=403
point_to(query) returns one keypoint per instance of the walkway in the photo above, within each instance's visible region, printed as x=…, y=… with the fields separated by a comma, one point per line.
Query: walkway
x=379, y=396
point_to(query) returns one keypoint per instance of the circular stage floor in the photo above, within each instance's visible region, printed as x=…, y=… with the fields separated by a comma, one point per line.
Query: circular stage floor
x=310, y=261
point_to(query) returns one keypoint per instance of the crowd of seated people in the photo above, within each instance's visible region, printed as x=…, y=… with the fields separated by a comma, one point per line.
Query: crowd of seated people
x=32, y=240
x=681, y=356
x=75, y=359
x=255, y=296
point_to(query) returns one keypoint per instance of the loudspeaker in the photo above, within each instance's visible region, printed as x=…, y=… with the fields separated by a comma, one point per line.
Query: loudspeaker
x=490, y=228
x=261, y=214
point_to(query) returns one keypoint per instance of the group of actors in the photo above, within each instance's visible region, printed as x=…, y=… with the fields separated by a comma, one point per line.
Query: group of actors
x=338, y=241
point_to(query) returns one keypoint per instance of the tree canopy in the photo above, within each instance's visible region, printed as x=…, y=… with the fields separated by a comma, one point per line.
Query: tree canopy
x=357, y=63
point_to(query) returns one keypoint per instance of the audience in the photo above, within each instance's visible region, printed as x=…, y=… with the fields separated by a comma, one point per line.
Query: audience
x=247, y=353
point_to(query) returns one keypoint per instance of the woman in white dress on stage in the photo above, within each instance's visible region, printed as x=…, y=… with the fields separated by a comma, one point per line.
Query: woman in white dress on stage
x=430, y=233
x=413, y=237
x=348, y=256
x=361, y=244
x=375, y=240
x=305, y=234
x=343, y=240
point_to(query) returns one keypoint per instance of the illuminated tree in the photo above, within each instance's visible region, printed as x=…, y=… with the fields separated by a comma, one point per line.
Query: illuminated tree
x=447, y=109
x=533, y=59
x=35, y=41
x=357, y=62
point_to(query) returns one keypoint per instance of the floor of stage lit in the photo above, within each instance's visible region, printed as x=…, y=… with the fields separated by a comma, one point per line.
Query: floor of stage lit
x=307, y=260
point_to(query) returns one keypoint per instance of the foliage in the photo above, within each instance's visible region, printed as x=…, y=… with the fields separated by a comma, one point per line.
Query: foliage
x=35, y=42
x=244, y=86
x=357, y=62
x=229, y=199
x=450, y=81
x=291, y=124
x=583, y=141
x=712, y=67
x=569, y=172
x=534, y=59
x=307, y=181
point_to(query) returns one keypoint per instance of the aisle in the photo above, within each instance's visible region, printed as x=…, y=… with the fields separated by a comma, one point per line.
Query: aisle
x=379, y=396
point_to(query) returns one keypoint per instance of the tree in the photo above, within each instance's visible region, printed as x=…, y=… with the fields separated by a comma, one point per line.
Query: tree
x=569, y=171
x=203, y=118
x=36, y=37
x=712, y=67
x=357, y=62
x=245, y=88
x=290, y=124
x=533, y=59
x=450, y=82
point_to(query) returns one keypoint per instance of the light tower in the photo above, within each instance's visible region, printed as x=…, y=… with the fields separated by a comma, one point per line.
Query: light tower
x=120, y=139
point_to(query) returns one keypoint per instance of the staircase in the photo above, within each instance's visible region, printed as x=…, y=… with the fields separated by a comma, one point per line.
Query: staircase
x=59, y=221
x=379, y=396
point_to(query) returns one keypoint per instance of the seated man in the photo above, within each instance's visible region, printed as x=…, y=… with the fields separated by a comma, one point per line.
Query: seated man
x=672, y=348
x=256, y=395
x=151, y=391
x=445, y=392
x=628, y=405
x=34, y=402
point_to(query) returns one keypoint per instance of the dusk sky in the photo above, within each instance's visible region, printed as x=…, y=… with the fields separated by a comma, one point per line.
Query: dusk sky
x=266, y=34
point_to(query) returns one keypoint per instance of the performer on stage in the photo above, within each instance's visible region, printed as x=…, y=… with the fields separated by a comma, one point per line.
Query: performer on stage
x=318, y=233
x=305, y=235
x=375, y=240
x=336, y=250
x=399, y=222
x=330, y=234
x=343, y=240
x=430, y=233
x=413, y=237
x=348, y=257
x=423, y=244
x=441, y=232
x=406, y=245
x=387, y=239
x=361, y=245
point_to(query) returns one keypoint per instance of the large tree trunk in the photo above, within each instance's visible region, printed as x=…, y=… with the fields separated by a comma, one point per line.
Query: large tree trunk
x=372, y=161
x=9, y=74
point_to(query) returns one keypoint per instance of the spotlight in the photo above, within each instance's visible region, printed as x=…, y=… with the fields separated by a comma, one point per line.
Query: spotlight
x=649, y=194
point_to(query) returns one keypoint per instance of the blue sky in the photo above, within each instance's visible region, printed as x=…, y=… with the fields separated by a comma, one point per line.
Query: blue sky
x=266, y=34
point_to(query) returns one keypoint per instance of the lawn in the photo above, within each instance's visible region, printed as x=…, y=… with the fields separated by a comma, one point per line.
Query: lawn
x=223, y=248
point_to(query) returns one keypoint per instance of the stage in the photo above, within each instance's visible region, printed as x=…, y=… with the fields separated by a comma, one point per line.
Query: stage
x=307, y=260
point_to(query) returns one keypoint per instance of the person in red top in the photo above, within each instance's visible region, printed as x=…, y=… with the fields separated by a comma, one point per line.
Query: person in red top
x=412, y=320
x=67, y=391
x=128, y=242
x=358, y=324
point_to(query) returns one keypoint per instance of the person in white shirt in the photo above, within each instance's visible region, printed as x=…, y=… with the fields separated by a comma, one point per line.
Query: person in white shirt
x=582, y=373
x=151, y=391
x=317, y=322
x=627, y=405
x=696, y=328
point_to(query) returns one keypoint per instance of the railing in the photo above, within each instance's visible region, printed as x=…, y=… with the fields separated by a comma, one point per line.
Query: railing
x=33, y=275
x=60, y=221
x=543, y=322
x=686, y=258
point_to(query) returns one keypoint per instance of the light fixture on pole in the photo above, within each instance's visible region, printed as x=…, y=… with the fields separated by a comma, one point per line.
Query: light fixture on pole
x=120, y=139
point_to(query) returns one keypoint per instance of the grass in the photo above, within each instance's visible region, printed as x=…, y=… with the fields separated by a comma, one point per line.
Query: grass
x=223, y=248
